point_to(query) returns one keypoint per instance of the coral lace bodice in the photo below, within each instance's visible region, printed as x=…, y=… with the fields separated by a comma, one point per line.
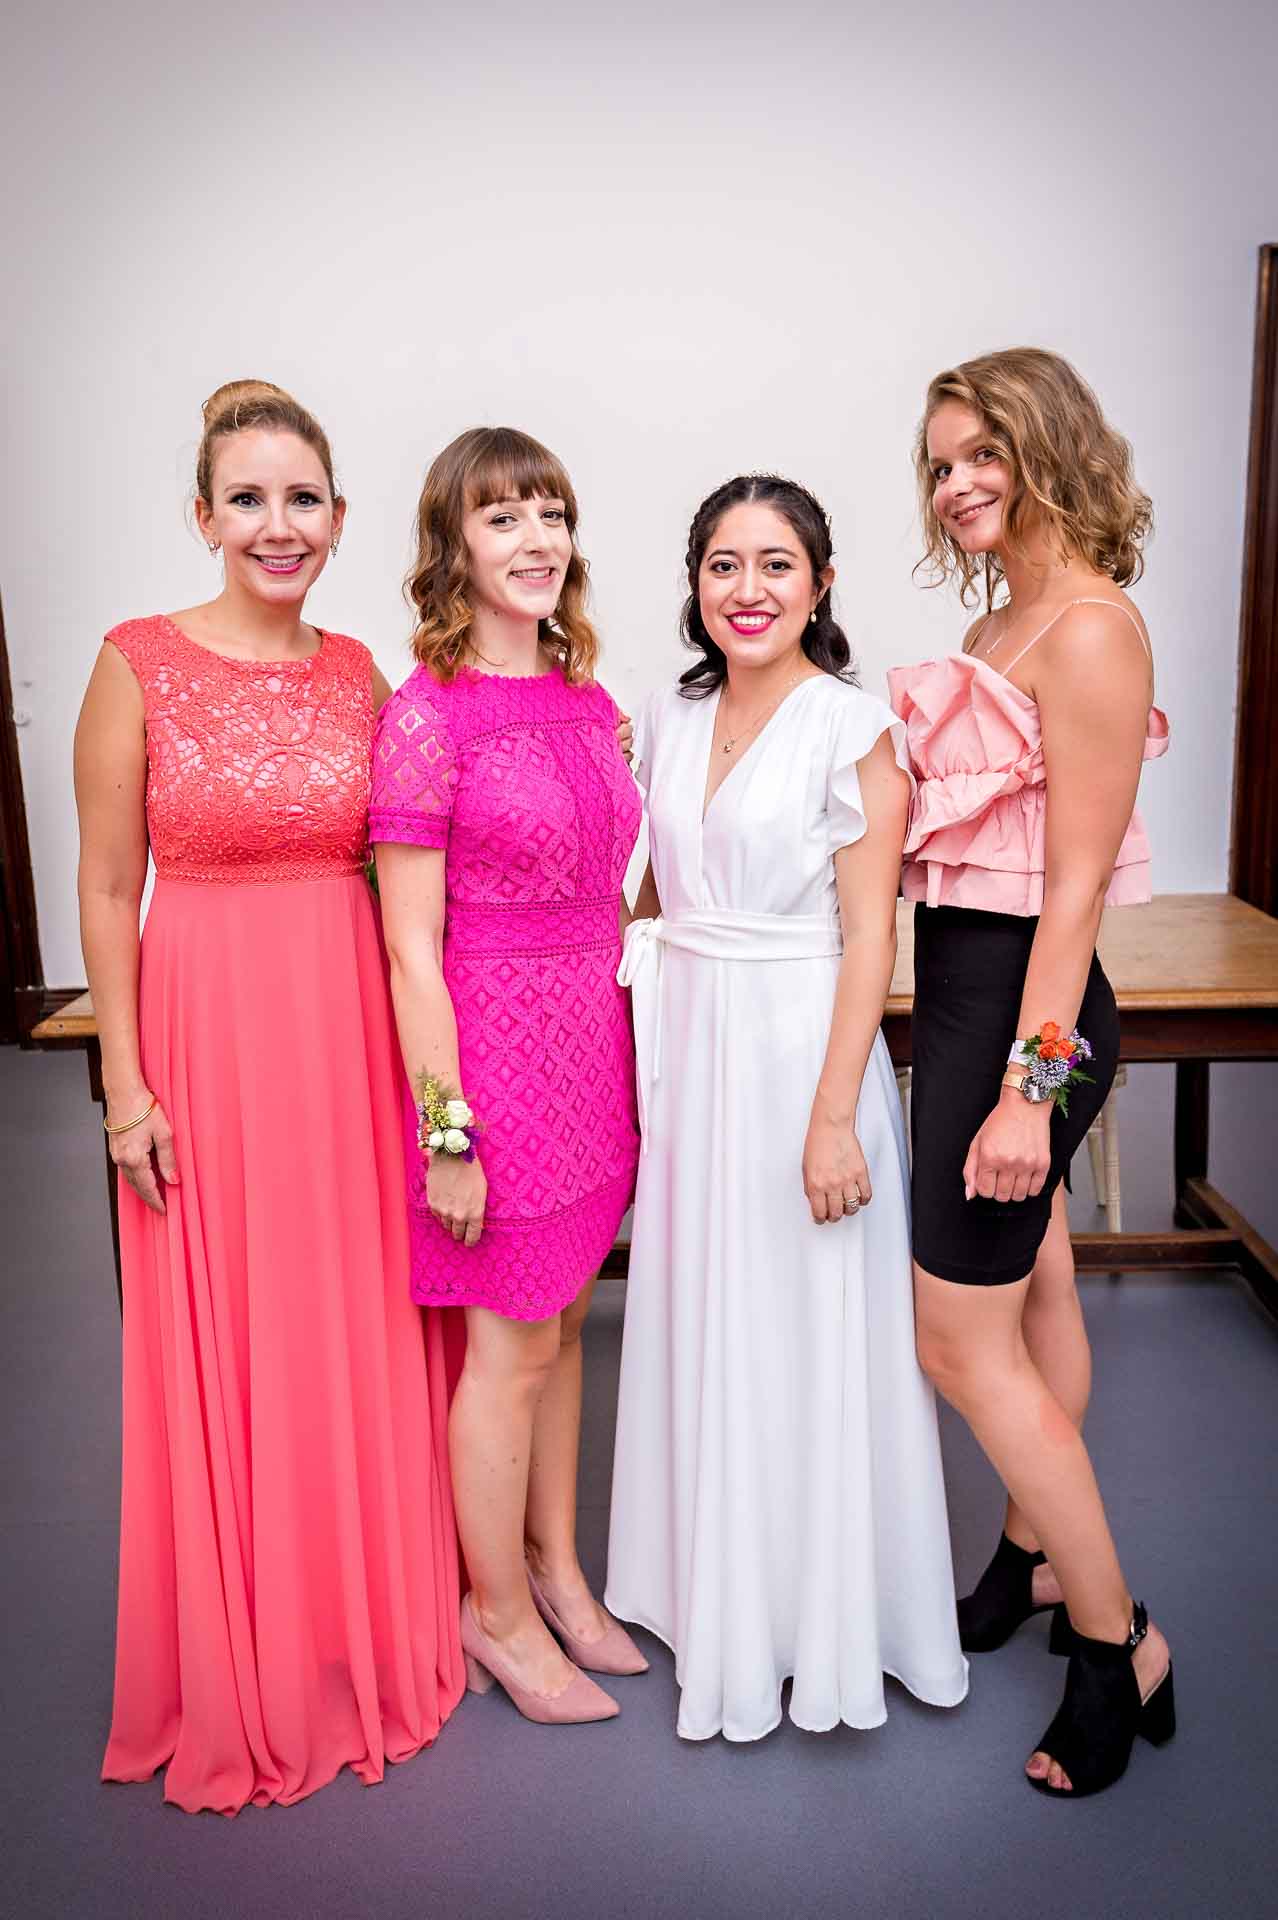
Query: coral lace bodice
x=256, y=770
x=977, y=824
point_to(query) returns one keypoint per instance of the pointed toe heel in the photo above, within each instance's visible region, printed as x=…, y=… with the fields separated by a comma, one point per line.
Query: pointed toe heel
x=612, y=1652
x=580, y=1702
x=1002, y=1599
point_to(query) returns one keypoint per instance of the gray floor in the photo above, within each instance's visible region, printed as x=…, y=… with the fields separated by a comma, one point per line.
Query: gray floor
x=925, y=1817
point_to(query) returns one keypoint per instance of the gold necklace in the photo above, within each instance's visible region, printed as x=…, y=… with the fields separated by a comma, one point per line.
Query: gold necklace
x=730, y=739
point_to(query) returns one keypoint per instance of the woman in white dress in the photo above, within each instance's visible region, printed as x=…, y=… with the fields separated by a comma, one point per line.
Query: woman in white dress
x=778, y=1509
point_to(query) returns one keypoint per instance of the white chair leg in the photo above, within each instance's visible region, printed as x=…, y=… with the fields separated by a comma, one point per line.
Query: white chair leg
x=1096, y=1154
x=1113, y=1190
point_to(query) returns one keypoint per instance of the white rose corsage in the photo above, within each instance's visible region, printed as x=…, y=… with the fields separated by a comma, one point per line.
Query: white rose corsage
x=445, y=1122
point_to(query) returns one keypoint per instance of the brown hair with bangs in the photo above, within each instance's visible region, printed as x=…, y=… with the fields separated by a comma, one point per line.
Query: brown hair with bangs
x=482, y=465
x=1071, y=472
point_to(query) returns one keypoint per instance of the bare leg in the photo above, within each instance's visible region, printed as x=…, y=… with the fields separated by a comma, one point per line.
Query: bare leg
x=508, y=1363
x=550, y=1526
x=1056, y=1337
x=972, y=1347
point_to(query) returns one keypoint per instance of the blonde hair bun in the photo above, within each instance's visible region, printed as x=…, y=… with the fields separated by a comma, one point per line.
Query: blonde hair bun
x=239, y=405
x=232, y=394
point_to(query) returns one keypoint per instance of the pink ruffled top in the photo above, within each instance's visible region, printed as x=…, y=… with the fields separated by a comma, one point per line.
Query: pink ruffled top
x=976, y=833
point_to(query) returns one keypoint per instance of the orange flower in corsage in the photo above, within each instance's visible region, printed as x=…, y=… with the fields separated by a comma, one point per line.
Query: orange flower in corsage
x=1055, y=1062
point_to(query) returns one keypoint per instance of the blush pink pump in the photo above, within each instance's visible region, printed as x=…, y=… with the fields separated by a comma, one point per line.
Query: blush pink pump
x=611, y=1652
x=581, y=1700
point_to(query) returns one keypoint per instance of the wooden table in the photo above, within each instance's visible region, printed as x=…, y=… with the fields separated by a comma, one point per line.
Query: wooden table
x=1196, y=979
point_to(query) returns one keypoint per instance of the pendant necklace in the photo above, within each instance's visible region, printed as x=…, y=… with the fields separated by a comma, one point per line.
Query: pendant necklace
x=730, y=740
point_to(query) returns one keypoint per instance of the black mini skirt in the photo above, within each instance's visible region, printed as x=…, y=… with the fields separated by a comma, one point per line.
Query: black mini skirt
x=969, y=975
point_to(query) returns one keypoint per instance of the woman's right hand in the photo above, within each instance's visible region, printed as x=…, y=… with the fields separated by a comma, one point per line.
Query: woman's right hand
x=457, y=1193
x=143, y=1149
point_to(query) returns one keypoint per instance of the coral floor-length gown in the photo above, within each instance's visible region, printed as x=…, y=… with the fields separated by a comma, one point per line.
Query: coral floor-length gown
x=288, y=1564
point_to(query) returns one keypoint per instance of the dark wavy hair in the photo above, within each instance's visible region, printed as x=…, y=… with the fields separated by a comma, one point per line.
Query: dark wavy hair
x=824, y=641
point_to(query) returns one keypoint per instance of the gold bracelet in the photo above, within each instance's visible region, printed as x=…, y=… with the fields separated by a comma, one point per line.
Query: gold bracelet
x=126, y=1125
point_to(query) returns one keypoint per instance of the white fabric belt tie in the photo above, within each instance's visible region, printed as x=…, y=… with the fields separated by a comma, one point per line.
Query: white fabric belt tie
x=713, y=934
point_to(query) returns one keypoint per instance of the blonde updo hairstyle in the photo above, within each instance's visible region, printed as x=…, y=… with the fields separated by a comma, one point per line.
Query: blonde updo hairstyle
x=1071, y=472
x=243, y=404
x=482, y=465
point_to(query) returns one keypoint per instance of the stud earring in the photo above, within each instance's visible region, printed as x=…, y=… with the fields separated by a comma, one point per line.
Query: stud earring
x=213, y=546
x=333, y=549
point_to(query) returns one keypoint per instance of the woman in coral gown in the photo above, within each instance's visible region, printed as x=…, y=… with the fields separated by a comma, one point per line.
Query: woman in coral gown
x=288, y=1571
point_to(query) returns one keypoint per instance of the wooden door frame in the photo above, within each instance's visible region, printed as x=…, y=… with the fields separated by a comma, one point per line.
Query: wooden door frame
x=1253, y=854
x=25, y=999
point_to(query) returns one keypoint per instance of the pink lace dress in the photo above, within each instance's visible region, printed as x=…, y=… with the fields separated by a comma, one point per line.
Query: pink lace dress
x=288, y=1572
x=522, y=782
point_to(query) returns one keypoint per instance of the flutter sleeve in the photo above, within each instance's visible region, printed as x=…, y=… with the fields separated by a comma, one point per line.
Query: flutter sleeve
x=415, y=771
x=863, y=719
x=645, y=732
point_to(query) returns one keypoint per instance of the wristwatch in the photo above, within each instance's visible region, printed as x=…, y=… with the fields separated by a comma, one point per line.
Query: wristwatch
x=1018, y=1076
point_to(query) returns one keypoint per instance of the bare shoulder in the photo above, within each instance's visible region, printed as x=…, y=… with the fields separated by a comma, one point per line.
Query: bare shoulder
x=114, y=690
x=381, y=688
x=1097, y=643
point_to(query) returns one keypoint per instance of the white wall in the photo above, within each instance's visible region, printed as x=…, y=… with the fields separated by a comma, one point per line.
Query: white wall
x=674, y=243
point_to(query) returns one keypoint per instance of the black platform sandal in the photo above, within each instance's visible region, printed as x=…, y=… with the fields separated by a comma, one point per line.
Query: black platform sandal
x=1002, y=1599
x=1092, y=1734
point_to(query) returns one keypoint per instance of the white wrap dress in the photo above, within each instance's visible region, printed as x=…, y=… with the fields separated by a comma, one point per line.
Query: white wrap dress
x=778, y=1508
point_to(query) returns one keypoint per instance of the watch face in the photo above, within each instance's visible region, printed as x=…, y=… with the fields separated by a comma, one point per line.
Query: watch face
x=1034, y=1093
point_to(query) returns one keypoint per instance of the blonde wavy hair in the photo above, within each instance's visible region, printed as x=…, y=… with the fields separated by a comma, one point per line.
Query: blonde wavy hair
x=482, y=465
x=241, y=404
x=1071, y=472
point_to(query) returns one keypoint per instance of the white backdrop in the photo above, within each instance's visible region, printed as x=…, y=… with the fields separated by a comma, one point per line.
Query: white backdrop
x=674, y=244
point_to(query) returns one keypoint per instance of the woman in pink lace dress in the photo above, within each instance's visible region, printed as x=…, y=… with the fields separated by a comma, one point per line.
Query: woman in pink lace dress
x=288, y=1570
x=504, y=817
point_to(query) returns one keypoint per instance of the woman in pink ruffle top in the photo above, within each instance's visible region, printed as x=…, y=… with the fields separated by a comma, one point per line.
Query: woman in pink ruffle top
x=1027, y=750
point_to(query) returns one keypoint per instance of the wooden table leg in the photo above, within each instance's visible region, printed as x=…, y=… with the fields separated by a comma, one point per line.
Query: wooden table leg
x=93, y=1054
x=1193, y=1110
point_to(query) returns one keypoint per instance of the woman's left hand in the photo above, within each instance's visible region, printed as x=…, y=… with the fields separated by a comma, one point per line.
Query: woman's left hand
x=626, y=737
x=1012, y=1154
x=835, y=1176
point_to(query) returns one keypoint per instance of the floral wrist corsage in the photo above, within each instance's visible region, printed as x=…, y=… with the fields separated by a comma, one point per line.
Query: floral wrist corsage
x=445, y=1122
x=1053, y=1063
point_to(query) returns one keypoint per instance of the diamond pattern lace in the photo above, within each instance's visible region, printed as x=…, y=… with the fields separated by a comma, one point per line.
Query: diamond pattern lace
x=255, y=770
x=523, y=785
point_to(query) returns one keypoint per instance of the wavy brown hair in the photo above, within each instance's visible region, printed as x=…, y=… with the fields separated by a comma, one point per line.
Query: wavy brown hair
x=1071, y=472
x=483, y=465
x=241, y=404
